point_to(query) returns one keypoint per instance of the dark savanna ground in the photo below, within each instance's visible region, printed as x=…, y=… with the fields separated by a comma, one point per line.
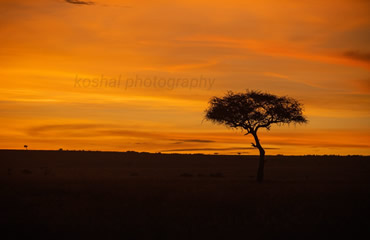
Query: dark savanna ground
x=107, y=195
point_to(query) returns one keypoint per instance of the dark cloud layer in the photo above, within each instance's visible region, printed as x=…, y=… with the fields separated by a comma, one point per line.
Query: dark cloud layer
x=208, y=149
x=63, y=127
x=358, y=55
x=88, y=130
x=80, y=2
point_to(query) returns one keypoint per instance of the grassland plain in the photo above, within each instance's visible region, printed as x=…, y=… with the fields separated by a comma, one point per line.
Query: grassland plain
x=112, y=195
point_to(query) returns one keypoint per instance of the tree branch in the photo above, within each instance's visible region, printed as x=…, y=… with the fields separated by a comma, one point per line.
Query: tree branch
x=263, y=126
x=248, y=128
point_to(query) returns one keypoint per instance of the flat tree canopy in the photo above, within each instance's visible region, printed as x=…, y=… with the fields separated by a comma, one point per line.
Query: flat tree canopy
x=253, y=110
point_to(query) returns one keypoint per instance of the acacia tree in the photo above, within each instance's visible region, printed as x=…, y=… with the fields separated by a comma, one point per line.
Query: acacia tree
x=253, y=110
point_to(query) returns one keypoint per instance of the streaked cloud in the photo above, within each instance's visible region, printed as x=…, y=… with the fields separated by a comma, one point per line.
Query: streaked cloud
x=207, y=149
x=358, y=55
x=192, y=141
x=79, y=2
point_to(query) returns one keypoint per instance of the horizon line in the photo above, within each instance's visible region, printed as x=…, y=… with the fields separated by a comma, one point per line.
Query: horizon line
x=181, y=153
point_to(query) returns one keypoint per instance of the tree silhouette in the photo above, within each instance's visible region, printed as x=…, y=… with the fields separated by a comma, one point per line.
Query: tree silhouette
x=253, y=110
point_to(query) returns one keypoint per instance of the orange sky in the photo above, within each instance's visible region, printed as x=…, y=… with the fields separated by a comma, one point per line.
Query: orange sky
x=315, y=51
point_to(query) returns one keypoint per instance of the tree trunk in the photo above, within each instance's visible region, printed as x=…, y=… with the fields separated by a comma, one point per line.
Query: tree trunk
x=261, y=162
x=261, y=165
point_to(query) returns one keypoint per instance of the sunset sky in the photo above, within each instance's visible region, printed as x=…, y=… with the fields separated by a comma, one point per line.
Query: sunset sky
x=137, y=75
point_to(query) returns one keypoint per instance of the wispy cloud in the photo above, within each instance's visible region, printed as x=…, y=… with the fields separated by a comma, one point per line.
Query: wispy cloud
x=80, y=2
x=275, y=75
x=358, y=55
x=63, y=129
x=87, y=129
x=192, y=141
x=208, y=149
